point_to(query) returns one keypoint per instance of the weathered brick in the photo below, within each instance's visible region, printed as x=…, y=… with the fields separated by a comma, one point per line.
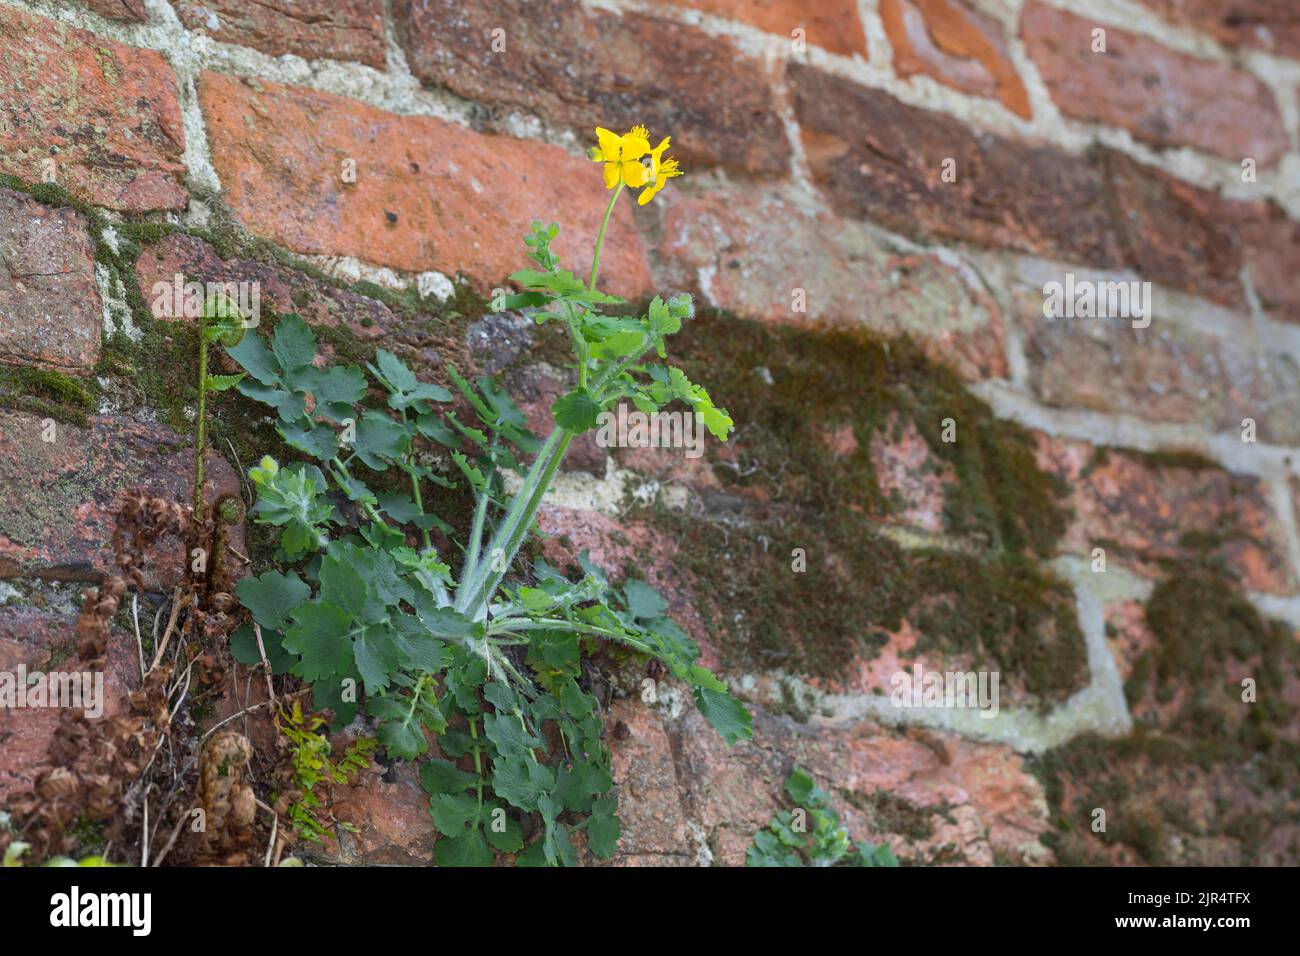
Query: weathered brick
x=126, y=10
x=329, y=29
x=1145, y=509
x=1264, y=24
x=50, y=311
x=105, y=113
x=832, y=25
x=428, y=194
x=910, y=476
x=1270, y=249
x=881, y=159
x=1173, y=232
x=1161, y=95
x=762, y=254
x=280, y=289
x=957, y=45
x=57, y=519
x=584, y=68
x=643, y=767
x=1194, y=363
x=962, y=801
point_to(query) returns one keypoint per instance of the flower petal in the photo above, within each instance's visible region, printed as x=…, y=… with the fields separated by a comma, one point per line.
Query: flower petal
x=636, y=143
x=609, y=143
x=611, y=175
x=634, y=174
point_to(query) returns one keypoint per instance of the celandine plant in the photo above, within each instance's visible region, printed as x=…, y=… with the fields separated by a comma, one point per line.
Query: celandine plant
x=492, y=666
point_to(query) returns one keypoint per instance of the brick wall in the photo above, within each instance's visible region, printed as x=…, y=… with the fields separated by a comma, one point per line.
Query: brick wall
x=918, y=172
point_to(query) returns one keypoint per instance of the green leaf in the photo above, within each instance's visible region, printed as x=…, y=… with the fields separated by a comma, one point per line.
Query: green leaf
x=453, y=812
x=644, y=601
x=255, y=358
x=728, y=717
x=344, y=582
x=509, y=838
x=521, y=782
x=470, y=849
x=443, y=776
x=662, y=320
x=394, y=372
x=403, y=738
x=800, y=786
x=272, y=597
x=317, y=441
x=220, y=383
x=293, y=343
x=244, y=649
x=374, y=658
x=603, y=828
x=380, y=440
x=576, y=411
x=321, y=639
x=508, y=733
x=342, y=384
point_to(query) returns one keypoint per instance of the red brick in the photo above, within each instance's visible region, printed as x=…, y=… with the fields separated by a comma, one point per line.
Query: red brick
x=979, y=802
x=1264, y=24
x=832, y=25
x=125, y=10
x=1270, y=248
x=643, y=767
x=56, y=521
x=583, y=68
x=910, y=476
x=955, y=44
x=748, y=252
x=881, y=159
x=428, y=194
x=1162, y=96
x=1148, y=509
x=1194, y=363
x=50, y=311
x=1173, y=232
x=280, y=289
x=313, y=29
x=106, y=113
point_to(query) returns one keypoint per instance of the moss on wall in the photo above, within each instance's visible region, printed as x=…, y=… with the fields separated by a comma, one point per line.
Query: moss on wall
x=787, y=388
x=1206, y=776
x=47, y=393
x=990, y=604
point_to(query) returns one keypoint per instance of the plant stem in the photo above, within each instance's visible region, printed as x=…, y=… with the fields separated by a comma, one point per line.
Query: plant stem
x=472, y=576
x=415, y=488
x=481, y=578
x=201, y=420
x=478, y=761
x=524, y=517
x=600, y=239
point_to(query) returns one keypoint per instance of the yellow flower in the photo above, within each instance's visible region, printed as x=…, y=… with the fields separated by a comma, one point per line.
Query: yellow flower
x=661, y=170
x=622, y=156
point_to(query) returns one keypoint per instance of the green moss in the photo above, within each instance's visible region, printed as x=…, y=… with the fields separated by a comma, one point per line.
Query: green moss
x=896, y=815
x=47, y=393
x=1006, y=613
x=1167, y=458
x=1000, y=612
x=789, y=389
x=786, y=489
x=1194, y=736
